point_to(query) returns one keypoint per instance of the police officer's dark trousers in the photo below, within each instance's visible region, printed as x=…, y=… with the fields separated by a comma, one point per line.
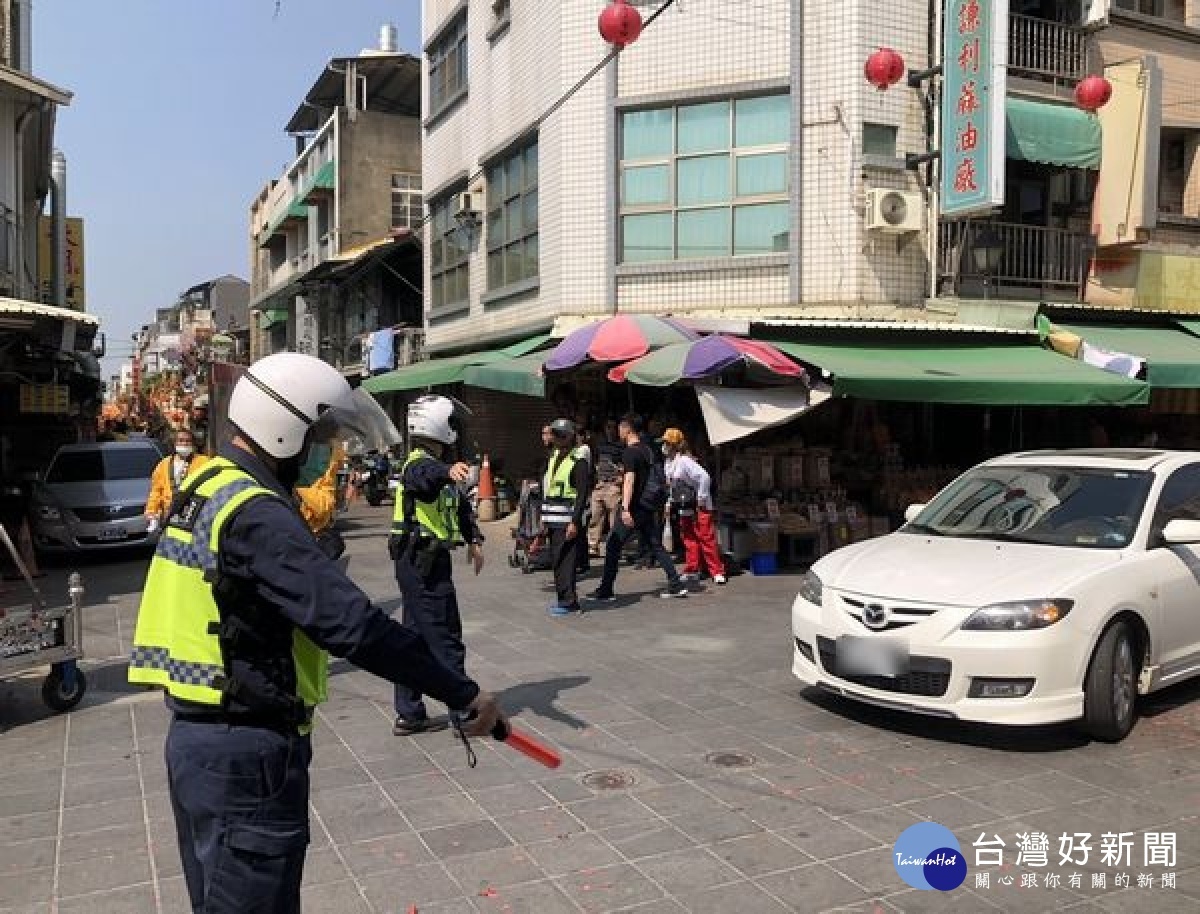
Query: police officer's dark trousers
x=431, y=609
x=564, y=559
x=240, y=796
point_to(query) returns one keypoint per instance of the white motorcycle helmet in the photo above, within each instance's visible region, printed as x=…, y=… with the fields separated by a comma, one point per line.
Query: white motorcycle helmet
x=287, y=400
x=436, y=418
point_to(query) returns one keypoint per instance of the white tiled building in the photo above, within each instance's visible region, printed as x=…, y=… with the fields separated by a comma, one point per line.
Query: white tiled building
x=665, y=184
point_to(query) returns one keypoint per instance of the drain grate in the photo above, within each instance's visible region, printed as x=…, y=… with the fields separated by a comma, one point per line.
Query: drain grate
x=609, y=779
x=731, y=758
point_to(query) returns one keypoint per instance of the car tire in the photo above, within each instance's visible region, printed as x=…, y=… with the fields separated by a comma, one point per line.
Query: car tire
x=1110, y=688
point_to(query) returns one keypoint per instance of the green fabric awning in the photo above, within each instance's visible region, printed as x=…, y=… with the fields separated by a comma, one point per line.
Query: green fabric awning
x=1192, y=327
x=297, y=211
x=521, y=375
x=449, y=370
x=1051, y=134
x=952, y=371
x=272, y=316
x=324, y=179
x=1172, y=356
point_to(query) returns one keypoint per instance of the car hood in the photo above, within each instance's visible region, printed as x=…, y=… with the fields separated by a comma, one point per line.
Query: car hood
x=959, y=572
x=98, y=493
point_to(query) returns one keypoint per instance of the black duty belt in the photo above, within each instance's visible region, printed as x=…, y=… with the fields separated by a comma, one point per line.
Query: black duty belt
x=234, y=719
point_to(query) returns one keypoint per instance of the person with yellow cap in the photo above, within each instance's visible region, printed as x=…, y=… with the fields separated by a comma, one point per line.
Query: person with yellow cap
x=691, y=499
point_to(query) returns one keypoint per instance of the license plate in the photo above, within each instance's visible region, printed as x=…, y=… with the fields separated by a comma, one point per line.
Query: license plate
x=858, y=656
x=115, y=534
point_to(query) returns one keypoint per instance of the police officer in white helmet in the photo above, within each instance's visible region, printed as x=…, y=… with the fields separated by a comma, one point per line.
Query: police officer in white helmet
x=431, y=520
x=239, y=607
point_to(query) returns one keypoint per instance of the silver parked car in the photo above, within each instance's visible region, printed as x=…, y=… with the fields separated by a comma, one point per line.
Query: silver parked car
x=93, y=496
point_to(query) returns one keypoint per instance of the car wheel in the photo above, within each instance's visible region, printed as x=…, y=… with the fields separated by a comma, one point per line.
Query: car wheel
x=1110, y=689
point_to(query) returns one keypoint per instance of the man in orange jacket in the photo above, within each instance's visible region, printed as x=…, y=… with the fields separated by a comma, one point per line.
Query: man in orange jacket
x=169, y=473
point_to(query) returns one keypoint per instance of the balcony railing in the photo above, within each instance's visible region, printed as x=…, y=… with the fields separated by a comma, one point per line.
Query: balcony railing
x=1037, y=262
x=1046, y=50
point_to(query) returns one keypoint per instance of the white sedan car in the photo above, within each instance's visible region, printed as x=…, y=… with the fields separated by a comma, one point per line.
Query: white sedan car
x=1037, y=588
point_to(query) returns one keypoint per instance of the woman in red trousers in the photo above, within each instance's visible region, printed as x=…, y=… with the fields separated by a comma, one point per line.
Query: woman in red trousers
x=691, y=499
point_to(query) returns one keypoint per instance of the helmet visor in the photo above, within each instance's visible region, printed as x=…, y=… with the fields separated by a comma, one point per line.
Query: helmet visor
x=358, y=425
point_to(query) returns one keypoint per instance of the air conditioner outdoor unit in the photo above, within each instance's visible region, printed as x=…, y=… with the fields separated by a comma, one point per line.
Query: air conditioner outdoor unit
x=465, y=206
x=894, y=210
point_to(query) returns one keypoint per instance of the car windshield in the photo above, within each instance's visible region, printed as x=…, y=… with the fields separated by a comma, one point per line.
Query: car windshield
x=94, y=465
x=1050, y=505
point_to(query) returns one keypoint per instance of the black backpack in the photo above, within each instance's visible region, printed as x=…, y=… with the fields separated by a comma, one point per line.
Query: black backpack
x=655, y=491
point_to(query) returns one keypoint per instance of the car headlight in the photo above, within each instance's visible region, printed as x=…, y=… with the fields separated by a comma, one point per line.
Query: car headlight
x=1018, y=616
x=49, y=512
x=811, y=589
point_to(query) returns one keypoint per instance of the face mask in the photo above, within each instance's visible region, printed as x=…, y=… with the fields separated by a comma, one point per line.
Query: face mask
x=315, y=464
x=184, y=450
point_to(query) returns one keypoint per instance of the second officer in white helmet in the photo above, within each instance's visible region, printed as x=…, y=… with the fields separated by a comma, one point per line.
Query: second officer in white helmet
x=432, y=519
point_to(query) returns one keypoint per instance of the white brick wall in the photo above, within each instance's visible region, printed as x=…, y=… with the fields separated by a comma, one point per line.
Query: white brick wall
x=702, y=44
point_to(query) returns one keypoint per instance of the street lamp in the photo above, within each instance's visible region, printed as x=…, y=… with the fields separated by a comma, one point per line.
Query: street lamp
x=987, y=252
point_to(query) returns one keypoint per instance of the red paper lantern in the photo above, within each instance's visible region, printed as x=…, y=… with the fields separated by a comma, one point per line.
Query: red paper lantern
x=1093, y=93
x=620, y=24
x=884, y=69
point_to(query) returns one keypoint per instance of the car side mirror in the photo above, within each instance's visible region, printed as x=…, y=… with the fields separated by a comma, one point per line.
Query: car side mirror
x=1182, y=533
x=912, y=512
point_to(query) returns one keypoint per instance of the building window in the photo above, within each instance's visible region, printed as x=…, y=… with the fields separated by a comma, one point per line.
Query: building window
x=1173, y=10
x=448, y=66
x=449, y=272
x=1176, y=182
x=501, y=18
x=406, y=200
x=705, y=180
x=879, y=140
x=512, y=218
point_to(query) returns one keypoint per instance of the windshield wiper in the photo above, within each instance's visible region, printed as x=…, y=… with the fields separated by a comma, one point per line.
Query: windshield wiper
x=923, y=528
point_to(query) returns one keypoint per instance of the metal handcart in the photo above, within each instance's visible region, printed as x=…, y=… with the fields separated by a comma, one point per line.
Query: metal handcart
x=33, y=635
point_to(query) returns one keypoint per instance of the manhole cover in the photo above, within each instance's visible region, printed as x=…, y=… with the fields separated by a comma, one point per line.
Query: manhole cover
x=731, y=758
x=609, y=780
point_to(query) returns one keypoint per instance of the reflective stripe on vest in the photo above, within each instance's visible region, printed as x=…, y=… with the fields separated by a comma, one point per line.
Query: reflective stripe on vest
x=173, y=647
x=437, y=519
x=558, y=505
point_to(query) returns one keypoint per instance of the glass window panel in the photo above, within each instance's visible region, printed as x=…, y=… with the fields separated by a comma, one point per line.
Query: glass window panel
x=646, y=237
x=762, y=174
x=435, y=257
x=461, y=291
x=879, y=140
x=646, y=134
x=495, y=185
x=495, y=269
x=531, y=166
x=702, y=180
x=703, y=128
x=438, y=285
x=512, y=176
x=646, y=184
x=760, y=229
x=512, y=217
x=763, y=121
x=512, y=263
x=529, y=210
x=495, y=228
x=531, y=257
x=703, y=233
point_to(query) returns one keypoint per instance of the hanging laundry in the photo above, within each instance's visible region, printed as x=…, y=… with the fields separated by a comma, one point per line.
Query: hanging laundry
x=383, y=351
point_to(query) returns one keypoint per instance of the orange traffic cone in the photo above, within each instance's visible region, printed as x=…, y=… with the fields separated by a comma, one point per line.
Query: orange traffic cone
x=487, y=486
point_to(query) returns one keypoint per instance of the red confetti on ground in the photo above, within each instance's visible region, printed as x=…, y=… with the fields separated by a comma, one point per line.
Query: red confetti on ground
x=489, y=892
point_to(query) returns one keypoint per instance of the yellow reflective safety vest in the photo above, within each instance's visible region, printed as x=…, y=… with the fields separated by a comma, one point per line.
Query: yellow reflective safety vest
x=176, y=643
x=437, y=519
x=558, y=493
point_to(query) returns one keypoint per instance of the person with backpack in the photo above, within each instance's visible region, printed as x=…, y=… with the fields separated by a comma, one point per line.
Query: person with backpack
x=643, y=493
x=691, y=501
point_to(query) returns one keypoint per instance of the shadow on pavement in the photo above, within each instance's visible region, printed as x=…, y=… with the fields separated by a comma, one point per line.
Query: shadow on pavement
x=1001, y=738
x=539, y=698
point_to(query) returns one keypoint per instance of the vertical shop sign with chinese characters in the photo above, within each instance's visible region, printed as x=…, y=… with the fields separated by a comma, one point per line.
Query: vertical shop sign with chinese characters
x=974, y=81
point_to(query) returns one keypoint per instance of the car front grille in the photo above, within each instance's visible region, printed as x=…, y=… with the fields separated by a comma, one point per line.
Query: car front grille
x=927, y=676
x=105, y=514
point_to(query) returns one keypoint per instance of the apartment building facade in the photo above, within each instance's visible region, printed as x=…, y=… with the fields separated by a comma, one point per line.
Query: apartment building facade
x=333, y=255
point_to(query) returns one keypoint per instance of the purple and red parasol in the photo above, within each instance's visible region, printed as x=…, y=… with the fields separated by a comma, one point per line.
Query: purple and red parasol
x=706, y=358
x=618, y=339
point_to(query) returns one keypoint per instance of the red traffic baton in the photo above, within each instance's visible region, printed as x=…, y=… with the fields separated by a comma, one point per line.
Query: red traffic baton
x=526, y=744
